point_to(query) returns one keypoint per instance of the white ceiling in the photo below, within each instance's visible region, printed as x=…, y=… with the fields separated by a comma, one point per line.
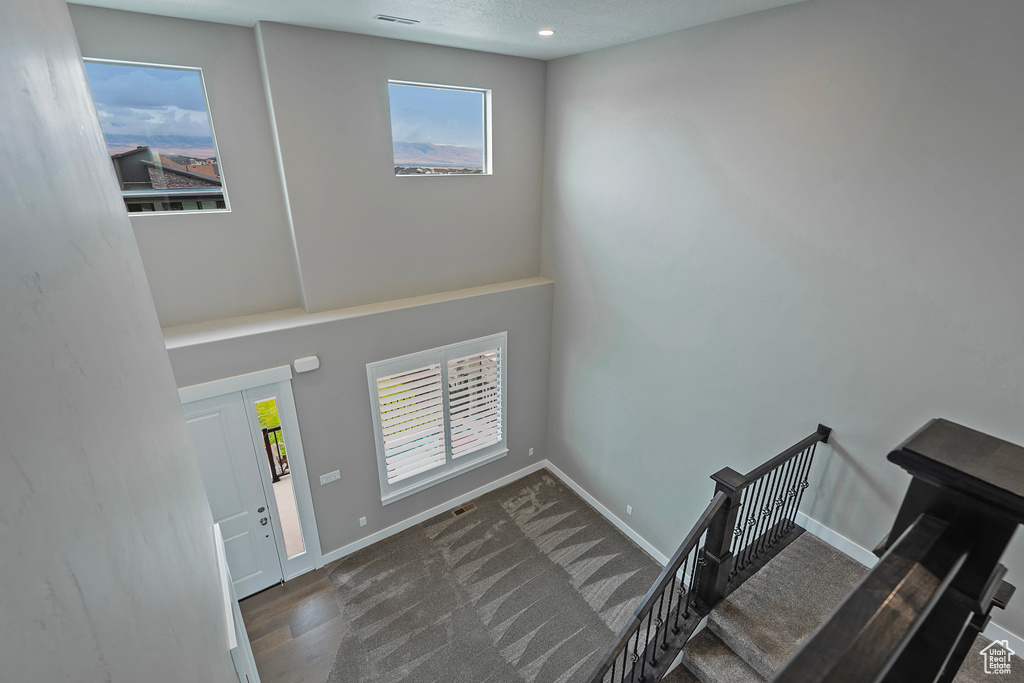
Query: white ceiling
x=502, y=26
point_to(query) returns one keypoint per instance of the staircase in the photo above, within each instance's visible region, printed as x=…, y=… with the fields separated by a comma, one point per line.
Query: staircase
x=756, y=629
x=762, y=587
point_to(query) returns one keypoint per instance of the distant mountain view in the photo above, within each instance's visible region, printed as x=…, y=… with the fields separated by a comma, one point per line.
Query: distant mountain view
x=425, y=154
x=199, y=147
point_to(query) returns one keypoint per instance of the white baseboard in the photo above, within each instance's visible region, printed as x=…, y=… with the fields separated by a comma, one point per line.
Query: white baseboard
x=476, y=493
x=596, y=504
x=837, y=540
x=432, y=512
x=993, y=631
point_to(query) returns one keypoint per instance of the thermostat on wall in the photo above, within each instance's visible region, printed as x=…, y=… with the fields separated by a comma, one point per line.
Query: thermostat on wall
x=307, y=364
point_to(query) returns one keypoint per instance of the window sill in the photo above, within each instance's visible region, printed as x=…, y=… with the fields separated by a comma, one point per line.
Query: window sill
x=444, y=476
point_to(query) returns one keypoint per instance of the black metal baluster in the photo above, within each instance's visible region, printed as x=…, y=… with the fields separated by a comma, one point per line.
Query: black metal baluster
x=702, y=560
x=803, y=482
x=780, y=501
x=753, y=504
x=791, y=494
x=657, y=627
x=764, y=503
x=643, y=657
x=659, y=622
x=771, y=507
x=680, y=592
x=788, y=494
x=734, y=546
x=689, y=588
x=790, y=518
x=754, y=518
x=763, y=511
x=698, y=561
x=634, y=657
x=671, y=592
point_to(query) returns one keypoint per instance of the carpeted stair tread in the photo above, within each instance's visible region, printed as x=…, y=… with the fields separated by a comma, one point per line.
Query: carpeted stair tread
x=712, y=661
x=772, y=613
x=973, y=669
x=766, y=620
x=680, y=675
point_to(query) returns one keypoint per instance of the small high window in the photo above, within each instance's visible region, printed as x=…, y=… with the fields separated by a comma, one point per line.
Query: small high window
x=159, y=135
x=439, y=129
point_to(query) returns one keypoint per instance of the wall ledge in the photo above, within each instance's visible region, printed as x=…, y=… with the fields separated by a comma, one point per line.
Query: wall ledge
x=195, y=334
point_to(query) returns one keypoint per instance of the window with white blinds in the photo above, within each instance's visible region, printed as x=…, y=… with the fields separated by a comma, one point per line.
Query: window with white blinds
x=474, y=401
x=438, y=413
x=412, y=421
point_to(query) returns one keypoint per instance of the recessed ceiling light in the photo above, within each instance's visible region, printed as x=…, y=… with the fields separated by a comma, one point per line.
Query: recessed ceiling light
x=545, y=32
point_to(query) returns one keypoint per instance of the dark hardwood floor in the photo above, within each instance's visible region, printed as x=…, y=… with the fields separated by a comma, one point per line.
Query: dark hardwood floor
x=295, y=629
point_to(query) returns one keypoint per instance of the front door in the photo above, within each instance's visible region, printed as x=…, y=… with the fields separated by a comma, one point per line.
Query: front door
x=223, y=442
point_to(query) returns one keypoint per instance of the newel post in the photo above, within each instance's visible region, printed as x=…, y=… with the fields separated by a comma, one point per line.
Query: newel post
x=717, y=559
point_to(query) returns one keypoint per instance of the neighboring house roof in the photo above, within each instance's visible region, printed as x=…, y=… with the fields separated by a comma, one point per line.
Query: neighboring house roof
x=130, y=152
x=208, y=170
x=180, y=170
x=167, y=163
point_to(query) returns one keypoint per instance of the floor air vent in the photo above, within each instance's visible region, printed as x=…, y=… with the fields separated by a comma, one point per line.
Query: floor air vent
x=459, y=511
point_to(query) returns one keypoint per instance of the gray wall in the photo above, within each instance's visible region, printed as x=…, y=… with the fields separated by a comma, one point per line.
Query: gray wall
x=106, y=540
x=333, y=403
x=364, y=235
x=348, y=232
x=203, y=266
x=807, y=214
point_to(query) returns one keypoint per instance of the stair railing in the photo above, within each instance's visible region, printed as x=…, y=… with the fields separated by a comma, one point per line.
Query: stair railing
x=760, y=512
x=918, y=611
x=666, y=610
x=748, y=521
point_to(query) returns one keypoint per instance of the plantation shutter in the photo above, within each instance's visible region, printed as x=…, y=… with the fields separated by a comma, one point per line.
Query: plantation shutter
x=412, y=421
x=474, y=401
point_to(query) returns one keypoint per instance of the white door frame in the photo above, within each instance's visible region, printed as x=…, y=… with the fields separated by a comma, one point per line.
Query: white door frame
x=282, y=392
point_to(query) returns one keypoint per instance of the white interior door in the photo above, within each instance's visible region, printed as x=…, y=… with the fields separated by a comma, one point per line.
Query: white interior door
x=223, y=442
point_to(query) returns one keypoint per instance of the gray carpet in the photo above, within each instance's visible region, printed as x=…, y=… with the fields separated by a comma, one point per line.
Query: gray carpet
x=531, y=586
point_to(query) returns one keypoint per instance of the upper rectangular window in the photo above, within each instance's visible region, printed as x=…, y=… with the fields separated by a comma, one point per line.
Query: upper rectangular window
x=439, y=129
x=438, y=413
x=159, y=134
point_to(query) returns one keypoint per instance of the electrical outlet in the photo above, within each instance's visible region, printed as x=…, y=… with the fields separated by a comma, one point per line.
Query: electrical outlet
x=629, y=509
x=362, y=521
x=531, y=451
x=329, y=477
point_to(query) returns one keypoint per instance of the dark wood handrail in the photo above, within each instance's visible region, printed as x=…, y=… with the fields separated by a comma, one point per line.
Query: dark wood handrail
x=671, y=569
x=734, y=481
x=865, y=635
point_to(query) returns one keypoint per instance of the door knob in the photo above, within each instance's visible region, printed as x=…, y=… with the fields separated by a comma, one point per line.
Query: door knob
x=263, y=521
x=261, y=509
